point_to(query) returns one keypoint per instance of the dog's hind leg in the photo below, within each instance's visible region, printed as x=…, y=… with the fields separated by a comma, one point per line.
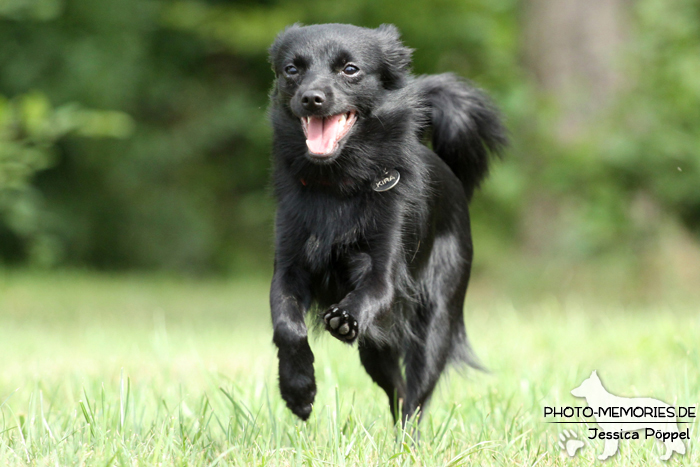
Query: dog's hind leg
x=382, y=364
x=426, y=360
x=438, y=326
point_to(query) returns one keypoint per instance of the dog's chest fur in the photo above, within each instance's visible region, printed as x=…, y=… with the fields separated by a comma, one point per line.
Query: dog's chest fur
x=333, y=229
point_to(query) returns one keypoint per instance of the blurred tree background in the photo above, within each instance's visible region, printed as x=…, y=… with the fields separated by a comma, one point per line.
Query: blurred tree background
x=133, y=133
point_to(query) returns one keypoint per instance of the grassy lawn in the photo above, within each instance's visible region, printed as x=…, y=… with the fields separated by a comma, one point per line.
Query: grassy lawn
x=136, y=370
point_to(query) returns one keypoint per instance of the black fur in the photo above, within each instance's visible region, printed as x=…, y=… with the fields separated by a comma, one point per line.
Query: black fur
x=386, y=269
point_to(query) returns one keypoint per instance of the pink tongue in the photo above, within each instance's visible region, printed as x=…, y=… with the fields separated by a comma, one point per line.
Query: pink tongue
x=321, y=134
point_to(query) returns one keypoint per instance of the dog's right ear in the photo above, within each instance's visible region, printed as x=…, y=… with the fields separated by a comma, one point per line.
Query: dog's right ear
x=278, y=46
x=396, y=57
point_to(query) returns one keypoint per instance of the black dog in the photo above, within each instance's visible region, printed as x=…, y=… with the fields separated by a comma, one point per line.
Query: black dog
x=372, y=227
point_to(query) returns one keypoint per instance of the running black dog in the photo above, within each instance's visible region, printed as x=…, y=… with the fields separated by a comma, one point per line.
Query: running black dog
x=372, y=228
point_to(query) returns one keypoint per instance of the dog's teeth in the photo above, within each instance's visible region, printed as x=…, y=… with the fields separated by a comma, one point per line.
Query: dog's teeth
x=341, y=122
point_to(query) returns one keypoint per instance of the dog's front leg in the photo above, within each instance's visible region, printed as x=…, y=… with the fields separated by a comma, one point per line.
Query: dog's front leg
x=375, y=274
x=289, y=300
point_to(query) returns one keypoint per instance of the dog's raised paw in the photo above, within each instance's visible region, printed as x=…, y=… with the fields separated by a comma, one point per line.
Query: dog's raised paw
x=340, y=324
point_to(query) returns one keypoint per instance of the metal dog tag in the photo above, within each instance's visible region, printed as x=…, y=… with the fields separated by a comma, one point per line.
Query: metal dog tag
x=386, y=181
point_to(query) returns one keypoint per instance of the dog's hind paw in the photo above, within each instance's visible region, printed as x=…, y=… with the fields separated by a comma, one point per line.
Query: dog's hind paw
x=340, y=324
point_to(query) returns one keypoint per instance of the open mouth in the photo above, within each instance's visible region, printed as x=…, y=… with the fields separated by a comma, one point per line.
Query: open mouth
x=324, y=133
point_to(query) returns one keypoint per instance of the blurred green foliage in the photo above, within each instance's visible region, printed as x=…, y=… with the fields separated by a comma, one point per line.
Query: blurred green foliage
x=656, y=142
x=183, y=186
x=29, y=128
x=610, y=191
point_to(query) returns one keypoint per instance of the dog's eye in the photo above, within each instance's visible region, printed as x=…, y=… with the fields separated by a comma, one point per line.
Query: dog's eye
x=350, y=69
x=291, y=70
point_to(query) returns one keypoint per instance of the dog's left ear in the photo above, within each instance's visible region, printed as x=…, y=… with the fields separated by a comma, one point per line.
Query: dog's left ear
x=396, y=57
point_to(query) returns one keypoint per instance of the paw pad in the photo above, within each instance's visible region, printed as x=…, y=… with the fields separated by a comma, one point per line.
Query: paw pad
x=340, y=324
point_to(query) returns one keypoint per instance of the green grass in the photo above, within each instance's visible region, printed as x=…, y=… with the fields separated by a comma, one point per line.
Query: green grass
x=101, y=370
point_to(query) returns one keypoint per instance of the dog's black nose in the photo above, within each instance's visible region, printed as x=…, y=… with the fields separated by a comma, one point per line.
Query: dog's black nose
x=313, y=100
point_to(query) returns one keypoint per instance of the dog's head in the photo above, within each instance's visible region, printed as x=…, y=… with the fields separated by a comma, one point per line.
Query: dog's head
x=330, y=76
x=588, y=386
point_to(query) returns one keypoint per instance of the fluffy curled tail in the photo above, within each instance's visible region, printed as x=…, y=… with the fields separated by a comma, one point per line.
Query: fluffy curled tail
x=466, y=127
